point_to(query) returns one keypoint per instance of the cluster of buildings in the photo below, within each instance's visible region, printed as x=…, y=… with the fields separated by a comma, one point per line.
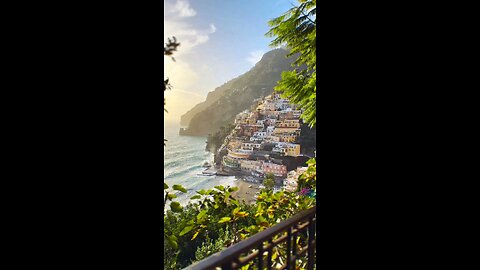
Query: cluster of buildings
x=270, y=128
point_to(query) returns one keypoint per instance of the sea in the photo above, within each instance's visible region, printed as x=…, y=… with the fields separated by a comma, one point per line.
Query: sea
x=184, y=157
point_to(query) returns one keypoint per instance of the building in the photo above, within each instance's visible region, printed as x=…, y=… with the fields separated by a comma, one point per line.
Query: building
x=288, y=149
x=260, y=134
x=290, y=130
x=250, y=165
x=287, y=137
x=288, y=123
x=239, y=154
x=272, y=138
x=293, y=150
x=291, y=182
x=276, y=169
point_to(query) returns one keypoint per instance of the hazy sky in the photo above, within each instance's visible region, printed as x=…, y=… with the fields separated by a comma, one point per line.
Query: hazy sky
x=220, y=40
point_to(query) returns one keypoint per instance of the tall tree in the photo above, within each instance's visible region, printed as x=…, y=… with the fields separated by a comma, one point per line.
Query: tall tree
x=296, y=29
x=168, y=50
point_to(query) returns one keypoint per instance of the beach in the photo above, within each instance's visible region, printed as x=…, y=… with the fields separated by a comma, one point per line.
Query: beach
x=245, y=193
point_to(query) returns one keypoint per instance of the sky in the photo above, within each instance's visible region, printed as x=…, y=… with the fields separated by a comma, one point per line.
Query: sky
x=219, y=40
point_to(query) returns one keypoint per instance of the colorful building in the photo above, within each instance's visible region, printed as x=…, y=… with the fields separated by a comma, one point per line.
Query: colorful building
x=276, y=169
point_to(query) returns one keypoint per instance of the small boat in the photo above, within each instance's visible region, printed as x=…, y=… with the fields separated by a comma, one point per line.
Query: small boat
x=250, y=186
x=206, y=174
x=206, y=165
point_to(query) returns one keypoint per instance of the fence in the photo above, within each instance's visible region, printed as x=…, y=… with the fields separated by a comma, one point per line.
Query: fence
x=255, y=248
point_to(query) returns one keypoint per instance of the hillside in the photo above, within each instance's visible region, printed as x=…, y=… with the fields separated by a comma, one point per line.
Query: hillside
x=237, y=95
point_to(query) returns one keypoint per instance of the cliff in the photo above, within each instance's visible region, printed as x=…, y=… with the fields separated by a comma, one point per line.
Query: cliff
x=237, y=95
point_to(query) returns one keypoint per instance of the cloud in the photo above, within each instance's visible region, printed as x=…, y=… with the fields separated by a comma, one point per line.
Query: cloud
x=212, y=28
x=255, y=56
x=181, y=74
x=187, y=36
x=177, y=25
x=186, y=78
x=181, y=8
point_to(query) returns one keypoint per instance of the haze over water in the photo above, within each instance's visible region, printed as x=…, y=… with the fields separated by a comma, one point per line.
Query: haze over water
x=183, y=160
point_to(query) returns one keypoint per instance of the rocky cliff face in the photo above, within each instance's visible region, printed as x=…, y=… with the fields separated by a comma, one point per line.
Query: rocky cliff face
x=223, y=104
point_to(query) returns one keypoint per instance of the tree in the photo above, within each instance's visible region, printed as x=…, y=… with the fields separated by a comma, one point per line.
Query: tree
x=297, y=30
x=269, y=181
x=171, y=46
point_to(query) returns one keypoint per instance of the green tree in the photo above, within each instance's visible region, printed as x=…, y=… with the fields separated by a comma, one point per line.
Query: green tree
x=269, y=181
x=297, y=30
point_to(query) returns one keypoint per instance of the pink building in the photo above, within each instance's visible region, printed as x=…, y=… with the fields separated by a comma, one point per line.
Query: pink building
x=276, y=169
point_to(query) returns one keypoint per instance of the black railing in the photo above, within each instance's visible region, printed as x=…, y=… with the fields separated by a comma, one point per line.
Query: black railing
x=302, y=224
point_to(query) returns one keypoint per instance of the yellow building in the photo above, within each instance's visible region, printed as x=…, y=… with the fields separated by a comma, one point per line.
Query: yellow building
x=287, y=138
x=293, y=150
x=279, y=130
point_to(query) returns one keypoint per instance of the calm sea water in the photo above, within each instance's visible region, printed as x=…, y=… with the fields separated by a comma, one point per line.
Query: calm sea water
x=183, y=160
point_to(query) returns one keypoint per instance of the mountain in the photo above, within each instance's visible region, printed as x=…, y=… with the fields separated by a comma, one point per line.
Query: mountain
x=226, y=101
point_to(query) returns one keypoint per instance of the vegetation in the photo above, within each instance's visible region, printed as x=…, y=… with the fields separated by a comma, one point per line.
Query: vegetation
x=269, y=181
x=214, y=220
x=297, y=29
x=216, y=140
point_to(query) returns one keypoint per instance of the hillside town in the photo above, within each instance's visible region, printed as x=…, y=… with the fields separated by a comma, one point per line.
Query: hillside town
x=264, y=138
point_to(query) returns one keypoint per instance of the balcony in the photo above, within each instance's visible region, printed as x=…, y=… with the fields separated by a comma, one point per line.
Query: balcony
x=259, y=247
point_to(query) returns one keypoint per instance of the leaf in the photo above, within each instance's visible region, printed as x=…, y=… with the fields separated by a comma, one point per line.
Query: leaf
x=201, y=214
x=225, y=219
x=261, y=221
x=235, y=202
x=195, y=197
x=195, y=235
x=235, y=211
x=245, y=267
x=222, y=188
x=171, y=196
x=232, y=189
x=179, y=188
x=242, y=214
x=176, y=207
x=165, y=186
x=186, y=230
x=201, y=192
x=172, y=241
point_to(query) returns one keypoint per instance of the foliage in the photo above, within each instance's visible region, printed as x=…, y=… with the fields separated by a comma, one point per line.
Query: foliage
x=269, y=181
x=210, y=246
x=297, y=29
x=214, y=141
x=171, y=46
x=214, y=219
x=309, y=178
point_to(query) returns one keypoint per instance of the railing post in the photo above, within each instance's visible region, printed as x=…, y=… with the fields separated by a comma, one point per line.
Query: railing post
x=289, y=248
x=231, y=258
x=311, y=247
x=227, y=266
x=294, y=248
x=260, y=256
x=270, y=251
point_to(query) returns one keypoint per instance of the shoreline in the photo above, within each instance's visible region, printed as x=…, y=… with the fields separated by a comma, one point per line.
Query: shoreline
x=245, y=192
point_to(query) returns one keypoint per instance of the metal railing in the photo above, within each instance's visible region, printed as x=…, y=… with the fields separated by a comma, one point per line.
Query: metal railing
x=254, y=248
